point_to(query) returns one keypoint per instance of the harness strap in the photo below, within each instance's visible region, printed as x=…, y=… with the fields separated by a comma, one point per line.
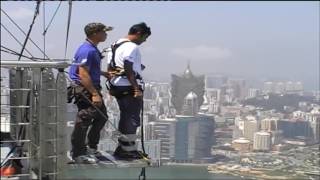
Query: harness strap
x=113, y=50
x=116, y=70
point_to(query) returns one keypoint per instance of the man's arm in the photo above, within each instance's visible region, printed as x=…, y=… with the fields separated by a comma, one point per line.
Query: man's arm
x=104, y=73
x=86, y=81
x=130, y=74
x=131, y=78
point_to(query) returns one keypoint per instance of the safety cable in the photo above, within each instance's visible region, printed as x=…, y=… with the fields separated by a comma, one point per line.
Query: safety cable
x=68, y=28
x=10, y=51
x=15, y=39
x=44, y=26
x=46, y=29
x=143, y=170
x=17, y=54
x=31, y=25
x=23, y=32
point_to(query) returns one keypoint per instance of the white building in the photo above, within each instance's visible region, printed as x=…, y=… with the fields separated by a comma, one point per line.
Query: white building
x=163, y=130
x=262, y=141
x=252, y=93
x=250, y=127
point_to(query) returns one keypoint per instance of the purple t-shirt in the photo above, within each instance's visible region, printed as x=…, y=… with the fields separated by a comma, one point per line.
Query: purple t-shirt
x=86, y=55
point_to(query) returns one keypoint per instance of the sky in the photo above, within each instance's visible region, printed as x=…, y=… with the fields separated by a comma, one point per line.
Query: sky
x=256, y=41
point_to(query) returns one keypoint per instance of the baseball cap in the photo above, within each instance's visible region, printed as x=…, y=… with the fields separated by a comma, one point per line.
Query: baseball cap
x=94, y=27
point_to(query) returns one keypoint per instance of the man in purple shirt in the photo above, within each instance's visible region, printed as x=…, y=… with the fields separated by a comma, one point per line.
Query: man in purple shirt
x=85, y=74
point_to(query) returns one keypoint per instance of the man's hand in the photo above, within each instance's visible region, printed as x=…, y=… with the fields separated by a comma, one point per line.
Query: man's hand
x=96, y=100
x=137, y=93
x=106, y=74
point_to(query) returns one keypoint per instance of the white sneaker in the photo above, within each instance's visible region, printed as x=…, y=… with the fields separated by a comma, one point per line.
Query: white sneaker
x=93, y=152
x=85, y=159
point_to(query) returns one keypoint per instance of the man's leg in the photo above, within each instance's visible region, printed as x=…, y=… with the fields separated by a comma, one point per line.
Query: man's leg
x=78, y=137
x=97, y=125
x=130, y=109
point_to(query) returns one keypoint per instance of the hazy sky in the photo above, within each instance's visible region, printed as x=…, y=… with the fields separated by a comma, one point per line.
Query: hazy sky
x=252, y=40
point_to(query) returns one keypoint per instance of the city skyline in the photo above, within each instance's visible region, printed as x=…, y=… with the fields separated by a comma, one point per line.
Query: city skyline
x=252, y=40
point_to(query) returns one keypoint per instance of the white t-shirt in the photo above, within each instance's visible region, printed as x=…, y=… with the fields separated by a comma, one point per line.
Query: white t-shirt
x=127, y=51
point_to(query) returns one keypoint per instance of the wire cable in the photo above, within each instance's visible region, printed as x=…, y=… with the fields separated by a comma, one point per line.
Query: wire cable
x=68, y=28
x=31, y=25
x=15, y=39
x=10, y=51
x=143, y=170
x=46, y=29
x=44, y=26
x=22, y=31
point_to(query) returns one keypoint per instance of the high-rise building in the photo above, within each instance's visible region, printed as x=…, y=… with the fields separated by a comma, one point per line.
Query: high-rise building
x=314, y=121
x=268, y=87
x=194, y=137
x=239, y=87
x=276, y=137
x=288, y=128
x=238, y=128
x=250, y=127
x=163, y=130
x=252, y=93
x=279, y=88
x=269, y=124
x=295, y=127
x=213, y=95
x=215, y=81
x=181, y=86
x=214, y=108
x=262, y=141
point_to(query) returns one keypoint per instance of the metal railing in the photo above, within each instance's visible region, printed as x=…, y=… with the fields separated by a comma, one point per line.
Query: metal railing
x=33, y=113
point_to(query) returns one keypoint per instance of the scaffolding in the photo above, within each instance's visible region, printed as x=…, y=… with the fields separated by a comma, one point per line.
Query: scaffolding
x=33, y=110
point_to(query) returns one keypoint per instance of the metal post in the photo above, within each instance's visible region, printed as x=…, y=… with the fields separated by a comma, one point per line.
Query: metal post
x=61, y=96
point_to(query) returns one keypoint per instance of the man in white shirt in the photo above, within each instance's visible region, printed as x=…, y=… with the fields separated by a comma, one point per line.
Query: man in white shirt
x=124, y=63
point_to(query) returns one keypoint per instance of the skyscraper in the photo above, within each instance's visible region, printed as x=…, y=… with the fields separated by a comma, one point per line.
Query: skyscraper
x=163, y=130
x=181, y=86
x=250, y=127
x=194, y=138
x=215, y=81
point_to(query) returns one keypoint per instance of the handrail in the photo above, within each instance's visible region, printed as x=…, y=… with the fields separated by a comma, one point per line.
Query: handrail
x=35, y=64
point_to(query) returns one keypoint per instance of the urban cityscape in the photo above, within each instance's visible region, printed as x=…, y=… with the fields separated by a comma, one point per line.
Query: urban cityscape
x=269, y=133
x=231, y=90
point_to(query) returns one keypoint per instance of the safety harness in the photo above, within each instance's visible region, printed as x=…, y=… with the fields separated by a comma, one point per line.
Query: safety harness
x=116, y=71
x=113, y=69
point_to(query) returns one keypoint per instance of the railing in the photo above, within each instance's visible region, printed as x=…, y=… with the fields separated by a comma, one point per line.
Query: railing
x=33, y=109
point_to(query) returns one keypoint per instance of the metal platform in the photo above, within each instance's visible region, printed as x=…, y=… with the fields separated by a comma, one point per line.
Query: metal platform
x=113, y=163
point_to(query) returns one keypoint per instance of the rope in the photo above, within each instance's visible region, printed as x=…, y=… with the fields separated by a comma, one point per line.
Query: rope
x=68, y=28
x=31, y=25
x=23, y=32
x=15, y=39
x=46, y=29
x=143, y=170
x=10, y=51
x=143, y=174
x=44, y=26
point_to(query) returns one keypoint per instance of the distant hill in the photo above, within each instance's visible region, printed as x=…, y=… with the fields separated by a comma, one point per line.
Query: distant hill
x=276, y=101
